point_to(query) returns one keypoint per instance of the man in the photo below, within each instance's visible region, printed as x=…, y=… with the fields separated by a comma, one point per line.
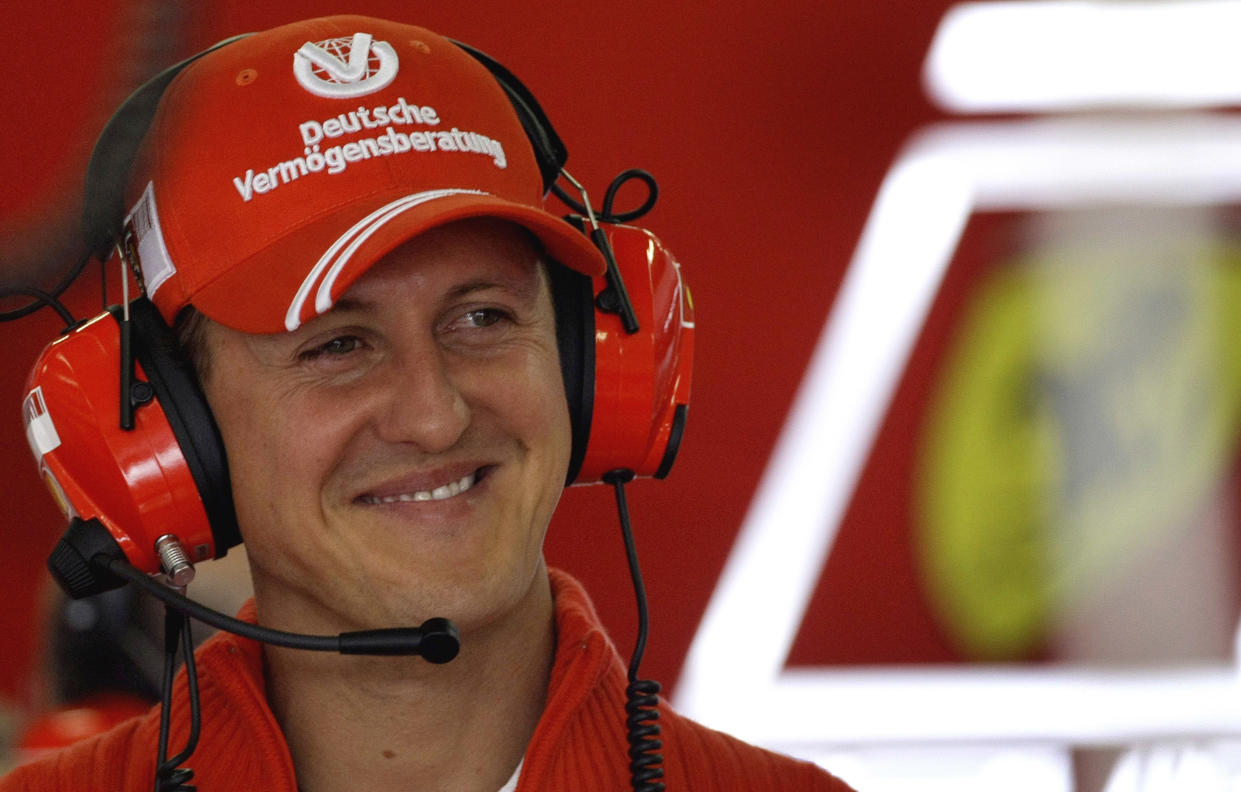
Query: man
x=343, y=217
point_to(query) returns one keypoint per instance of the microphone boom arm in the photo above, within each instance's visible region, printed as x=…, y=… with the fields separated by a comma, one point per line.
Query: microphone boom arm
x=436, y=640
x=88, y=560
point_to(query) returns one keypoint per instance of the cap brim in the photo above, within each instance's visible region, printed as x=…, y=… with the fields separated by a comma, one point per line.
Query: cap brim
x=301, y=274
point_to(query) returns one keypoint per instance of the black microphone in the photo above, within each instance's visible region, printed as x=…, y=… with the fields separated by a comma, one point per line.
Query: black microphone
x=87, y=560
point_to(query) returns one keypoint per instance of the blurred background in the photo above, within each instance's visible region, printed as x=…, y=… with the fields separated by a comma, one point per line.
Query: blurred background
x=957, y=505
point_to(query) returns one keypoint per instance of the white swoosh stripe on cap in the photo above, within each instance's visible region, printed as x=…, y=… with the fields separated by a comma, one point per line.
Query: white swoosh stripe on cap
x=353, y=238
x=323, y=299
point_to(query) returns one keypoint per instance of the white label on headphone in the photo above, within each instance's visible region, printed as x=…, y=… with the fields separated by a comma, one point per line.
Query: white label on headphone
x=40, y=431
x=153, y=259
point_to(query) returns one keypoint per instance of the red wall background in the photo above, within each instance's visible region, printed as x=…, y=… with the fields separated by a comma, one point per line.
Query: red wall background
x=769, y=128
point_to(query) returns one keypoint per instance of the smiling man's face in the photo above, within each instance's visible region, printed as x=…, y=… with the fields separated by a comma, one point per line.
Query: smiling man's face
x=400, y=456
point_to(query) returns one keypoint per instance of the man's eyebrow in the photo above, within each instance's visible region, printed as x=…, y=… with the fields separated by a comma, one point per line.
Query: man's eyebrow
x=353, y=305
x=521, y=287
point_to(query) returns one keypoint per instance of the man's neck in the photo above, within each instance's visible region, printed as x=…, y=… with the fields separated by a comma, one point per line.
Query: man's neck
x=401, y=723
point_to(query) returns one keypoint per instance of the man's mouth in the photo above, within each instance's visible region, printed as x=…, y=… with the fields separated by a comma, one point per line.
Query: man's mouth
x=443, y=492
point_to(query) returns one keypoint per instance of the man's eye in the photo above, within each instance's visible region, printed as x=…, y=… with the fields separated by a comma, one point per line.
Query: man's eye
x=481, y=317
x=341, y=345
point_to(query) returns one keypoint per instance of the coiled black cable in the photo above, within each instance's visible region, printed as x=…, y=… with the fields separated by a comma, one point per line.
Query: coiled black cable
x=642, y=695
x=642, y=731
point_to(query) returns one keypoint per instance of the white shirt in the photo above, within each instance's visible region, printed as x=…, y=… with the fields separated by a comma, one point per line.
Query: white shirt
x=511, y=784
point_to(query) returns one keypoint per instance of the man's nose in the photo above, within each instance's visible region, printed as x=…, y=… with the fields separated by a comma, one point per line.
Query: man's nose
x=424, y=405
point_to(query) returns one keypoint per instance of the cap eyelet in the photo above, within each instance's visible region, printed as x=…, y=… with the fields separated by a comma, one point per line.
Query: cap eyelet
x=246, y=76
x=421, y=46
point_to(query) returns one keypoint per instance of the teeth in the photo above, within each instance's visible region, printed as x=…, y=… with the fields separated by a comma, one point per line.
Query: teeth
x=439, y=493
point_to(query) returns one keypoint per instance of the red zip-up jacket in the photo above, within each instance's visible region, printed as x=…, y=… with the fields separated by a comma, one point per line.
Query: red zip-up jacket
x=579, y=744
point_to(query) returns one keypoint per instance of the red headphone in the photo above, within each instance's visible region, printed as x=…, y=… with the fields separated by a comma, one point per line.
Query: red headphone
x=626, y=348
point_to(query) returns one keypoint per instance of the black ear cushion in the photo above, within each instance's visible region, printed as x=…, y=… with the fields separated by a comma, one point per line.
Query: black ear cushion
x=573, y=297
x=172, y=377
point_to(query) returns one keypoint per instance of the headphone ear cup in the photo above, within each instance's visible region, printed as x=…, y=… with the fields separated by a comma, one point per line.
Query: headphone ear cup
x=165, y=476
x=176, y=386
x=641, y=381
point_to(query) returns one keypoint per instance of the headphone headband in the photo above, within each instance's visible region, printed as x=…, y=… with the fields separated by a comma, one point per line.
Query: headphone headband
x=114, y=153
x=549, y=149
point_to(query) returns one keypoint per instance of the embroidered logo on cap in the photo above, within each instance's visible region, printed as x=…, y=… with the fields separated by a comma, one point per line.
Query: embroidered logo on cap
x=341, y=68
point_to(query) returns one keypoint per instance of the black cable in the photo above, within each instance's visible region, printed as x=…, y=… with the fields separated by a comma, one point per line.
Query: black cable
x=652, y=195
x=169, y=775
x=605, y=214
x=172, y=628
x=642, y=695
x=52, y=294
x=42, y=298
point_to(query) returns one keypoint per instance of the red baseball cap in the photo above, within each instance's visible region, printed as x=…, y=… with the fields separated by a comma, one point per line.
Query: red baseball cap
x=281, y=166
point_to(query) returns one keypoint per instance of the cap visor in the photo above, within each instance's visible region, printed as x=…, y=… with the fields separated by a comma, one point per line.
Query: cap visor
x=299, y=275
